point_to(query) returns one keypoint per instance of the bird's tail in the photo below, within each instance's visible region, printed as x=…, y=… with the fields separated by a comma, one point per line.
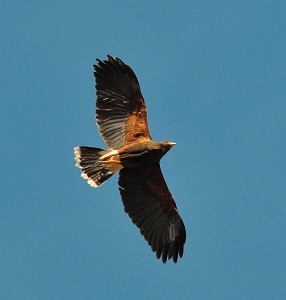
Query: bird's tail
x=97, y=164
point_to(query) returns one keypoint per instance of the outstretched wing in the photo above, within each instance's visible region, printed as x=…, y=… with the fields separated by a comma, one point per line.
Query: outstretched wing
x=150, y=205
x=120, y=108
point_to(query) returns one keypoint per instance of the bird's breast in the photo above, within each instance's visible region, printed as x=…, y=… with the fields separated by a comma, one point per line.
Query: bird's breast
x=139, y=154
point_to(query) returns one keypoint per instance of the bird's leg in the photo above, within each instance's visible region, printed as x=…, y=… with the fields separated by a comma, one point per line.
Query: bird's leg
x=111, y=157
x=108, y=155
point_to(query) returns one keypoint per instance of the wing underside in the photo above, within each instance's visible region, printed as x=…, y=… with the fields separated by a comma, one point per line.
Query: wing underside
x=150, y=205
x=120, y=108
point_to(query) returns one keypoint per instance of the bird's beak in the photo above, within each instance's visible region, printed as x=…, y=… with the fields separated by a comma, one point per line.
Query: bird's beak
x=172, y=144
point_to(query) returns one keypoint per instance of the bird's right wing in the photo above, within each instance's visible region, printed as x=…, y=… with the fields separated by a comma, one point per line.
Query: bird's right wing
x=120, y=108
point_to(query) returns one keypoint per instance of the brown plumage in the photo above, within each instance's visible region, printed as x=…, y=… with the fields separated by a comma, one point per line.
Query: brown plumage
x=122, y=121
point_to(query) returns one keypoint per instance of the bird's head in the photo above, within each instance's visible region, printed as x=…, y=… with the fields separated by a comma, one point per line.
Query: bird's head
x=166, y=146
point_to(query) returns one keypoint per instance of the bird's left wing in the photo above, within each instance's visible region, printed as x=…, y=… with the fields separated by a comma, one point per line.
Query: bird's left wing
x=150, y=205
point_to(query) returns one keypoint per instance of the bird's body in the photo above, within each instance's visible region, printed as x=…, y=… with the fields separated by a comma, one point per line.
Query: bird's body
x=122, y=120
x=142, y=153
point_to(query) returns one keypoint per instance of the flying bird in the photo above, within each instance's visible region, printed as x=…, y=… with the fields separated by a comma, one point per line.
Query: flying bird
x=121, y=118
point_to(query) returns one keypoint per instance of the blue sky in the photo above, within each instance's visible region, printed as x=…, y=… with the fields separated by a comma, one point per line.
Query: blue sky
x=213, y=75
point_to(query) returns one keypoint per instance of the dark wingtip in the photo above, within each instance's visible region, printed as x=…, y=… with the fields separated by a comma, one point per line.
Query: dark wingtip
x=114, y=64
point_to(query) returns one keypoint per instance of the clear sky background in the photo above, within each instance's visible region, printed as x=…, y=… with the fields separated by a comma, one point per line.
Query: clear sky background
x=213, y=75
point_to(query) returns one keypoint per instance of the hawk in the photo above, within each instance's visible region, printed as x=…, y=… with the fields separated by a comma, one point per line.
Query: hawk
x=121, y=118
